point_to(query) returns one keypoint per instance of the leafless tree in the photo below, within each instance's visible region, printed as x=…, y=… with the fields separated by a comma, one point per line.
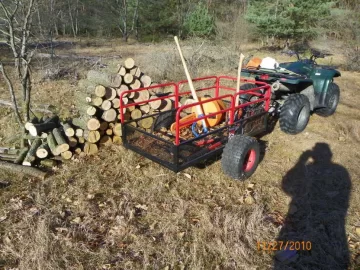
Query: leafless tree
x=16, y=19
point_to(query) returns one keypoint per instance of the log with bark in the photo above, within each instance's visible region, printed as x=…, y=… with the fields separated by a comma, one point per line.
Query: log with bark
x=43, y=150
x=21, y=156
x=69, y=130
x=105, y=79
x=62, y=145
x=52, y=144
x=22, y=170
x=37, y=129
x=31, y=155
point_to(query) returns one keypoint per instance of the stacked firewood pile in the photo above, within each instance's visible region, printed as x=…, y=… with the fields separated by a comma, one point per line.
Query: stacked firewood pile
x=98, y=104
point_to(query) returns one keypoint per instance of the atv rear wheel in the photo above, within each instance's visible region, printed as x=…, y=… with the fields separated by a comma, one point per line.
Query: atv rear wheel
x=295, y=114
x=331, y=101
x=240, y=157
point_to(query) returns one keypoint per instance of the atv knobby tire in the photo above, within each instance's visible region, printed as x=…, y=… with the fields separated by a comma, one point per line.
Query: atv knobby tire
x=294, y=114
x=331, y=101
x=240, y=157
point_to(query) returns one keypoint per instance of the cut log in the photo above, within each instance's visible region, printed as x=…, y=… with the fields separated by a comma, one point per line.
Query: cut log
x=50, y=163
x=109, y=115
x=91, y=111
x=72, y=141
x=110, y=93
x=94, y=136
x=37, y=129
x=146, y=122
x=117, y=140
x=145, y=108
x=69, y=130
x=136, y=114
x=79, y=132
x=135, y=85
x=104, y=125
x=122, y=88
x=116, y=103
x=168, y=106
x=66, y=155
x=43, y=150
x=105, y=140
x=62, y=145
x=134, y=124
x=43, y=135
x=144, y=95
x=106, y=105
x=100, y=91
x=117, y=130
x=30, y=157
x=109, y=132
x=8, y=157
x=21, y=156
x=52, y=144
x=145, y=80
x=131, y=108
x=78, y=151
x=157, y=104
x=90, y=149
x=129, y=63
x=188, y=102
x=133, y=95
x=88, y=99
x=93, y=124
x=111, y=125
x=105, y=79
x=122, y=71
x=97, y=101
x=136, y=72
x=86, y=86
x=33, y=121
x=128, y=79
x=22, y=170
x=81, y=140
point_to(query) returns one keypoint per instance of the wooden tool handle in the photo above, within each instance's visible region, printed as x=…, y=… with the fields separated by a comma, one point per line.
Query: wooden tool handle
x=192, y=89
x=238, y=79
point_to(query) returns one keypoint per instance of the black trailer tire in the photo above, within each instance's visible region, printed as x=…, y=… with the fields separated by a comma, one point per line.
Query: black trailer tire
x=332, y=100
x=240, y=157
x=247, y=97
x=294, y=114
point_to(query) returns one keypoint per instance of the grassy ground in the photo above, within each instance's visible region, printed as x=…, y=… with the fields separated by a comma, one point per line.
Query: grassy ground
x=122, y=211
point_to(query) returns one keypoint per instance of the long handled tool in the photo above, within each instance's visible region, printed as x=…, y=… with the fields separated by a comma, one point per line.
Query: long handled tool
x=238, y=79
x=193, y=92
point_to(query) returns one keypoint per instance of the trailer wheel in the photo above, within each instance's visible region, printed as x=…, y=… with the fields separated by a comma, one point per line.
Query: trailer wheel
x=332, y=100
x=240, y=157
x=294, y=114
x=248, y=97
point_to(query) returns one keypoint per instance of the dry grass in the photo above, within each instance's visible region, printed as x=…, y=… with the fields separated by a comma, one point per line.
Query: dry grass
x=105, y=213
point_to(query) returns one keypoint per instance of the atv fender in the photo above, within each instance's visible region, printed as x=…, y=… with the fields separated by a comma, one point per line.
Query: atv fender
x=321, y=78
x=309, y=92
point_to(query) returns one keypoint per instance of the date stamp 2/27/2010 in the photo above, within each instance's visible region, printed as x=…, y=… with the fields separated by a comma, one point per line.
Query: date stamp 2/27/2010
x=274, y=246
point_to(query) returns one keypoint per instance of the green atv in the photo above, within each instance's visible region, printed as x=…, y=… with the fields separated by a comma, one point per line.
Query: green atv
x=298, y=88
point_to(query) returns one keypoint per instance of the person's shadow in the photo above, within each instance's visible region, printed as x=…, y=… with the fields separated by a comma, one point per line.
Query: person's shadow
x=320, y=191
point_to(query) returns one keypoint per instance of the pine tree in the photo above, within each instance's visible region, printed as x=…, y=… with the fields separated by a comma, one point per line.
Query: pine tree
x=286, y=19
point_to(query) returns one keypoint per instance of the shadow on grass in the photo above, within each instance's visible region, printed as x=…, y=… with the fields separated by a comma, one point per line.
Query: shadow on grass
x=315, y=223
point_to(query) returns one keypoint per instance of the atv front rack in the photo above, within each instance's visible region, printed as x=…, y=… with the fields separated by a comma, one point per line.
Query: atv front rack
x=177, y=151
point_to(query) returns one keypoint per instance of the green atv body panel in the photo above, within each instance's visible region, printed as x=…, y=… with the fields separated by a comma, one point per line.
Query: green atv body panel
x=301, y=73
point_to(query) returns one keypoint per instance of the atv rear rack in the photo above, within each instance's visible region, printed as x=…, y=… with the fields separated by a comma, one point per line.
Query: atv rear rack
x=176, y=152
